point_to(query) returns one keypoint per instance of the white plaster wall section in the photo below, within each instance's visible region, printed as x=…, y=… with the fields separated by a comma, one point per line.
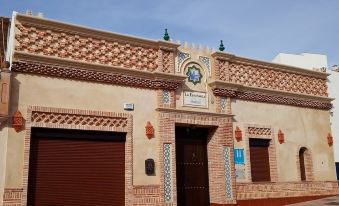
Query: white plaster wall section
x=333, y=86
x=3, y=157
x=303, y=60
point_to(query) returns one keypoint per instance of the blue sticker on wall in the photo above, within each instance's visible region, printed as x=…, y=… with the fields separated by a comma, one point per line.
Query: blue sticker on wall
x=239, y=156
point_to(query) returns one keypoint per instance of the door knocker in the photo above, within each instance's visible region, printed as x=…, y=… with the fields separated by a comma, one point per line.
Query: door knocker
x=193, y=156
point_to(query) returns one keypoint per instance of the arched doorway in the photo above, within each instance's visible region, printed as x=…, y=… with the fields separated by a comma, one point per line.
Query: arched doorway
x=302, y=163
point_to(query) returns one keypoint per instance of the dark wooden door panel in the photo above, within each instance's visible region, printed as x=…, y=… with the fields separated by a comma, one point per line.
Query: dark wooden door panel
x=71, y=168
x=192, y=168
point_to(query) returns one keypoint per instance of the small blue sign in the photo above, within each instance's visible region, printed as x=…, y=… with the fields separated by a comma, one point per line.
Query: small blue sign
x=239, y=156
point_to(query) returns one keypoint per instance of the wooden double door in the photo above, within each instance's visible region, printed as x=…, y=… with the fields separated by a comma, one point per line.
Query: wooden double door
x=192, y=166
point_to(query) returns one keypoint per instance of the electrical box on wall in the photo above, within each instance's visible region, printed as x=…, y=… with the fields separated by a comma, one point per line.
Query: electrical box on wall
x=149, y=167
x=128, y=106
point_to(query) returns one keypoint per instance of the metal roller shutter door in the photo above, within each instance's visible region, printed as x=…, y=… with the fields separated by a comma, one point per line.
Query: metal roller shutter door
x=260, y=165
x=73, y=168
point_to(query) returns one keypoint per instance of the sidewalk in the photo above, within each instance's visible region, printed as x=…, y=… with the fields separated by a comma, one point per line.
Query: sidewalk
x=325, y=201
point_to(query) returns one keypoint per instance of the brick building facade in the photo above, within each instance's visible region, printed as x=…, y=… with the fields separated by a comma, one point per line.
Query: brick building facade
x=64, y=77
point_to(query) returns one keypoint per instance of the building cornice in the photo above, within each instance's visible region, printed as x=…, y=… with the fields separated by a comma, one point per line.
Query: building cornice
x=269, y=65
x=94, y=33
x=63, y=62
x=152, y=81
x=217, y=84
x=257, y=96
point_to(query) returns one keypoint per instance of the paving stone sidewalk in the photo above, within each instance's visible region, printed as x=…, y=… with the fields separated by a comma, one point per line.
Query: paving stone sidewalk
x=325, y=201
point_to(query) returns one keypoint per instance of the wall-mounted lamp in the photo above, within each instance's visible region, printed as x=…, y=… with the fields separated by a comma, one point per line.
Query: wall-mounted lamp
x=281, y=137
x=17, y=121
x=238, y=134
x=149, y=130
x=329, y=139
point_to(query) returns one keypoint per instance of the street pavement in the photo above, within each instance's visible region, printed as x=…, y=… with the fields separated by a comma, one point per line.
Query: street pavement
x=325, y=201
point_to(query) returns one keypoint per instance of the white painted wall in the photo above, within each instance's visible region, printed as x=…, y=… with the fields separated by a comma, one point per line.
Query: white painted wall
x=303, y=60
x=333, y=88
x=316, y=61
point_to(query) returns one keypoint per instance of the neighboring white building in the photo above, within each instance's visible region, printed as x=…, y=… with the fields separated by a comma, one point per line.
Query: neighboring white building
x=319, y=62
x=303, y=60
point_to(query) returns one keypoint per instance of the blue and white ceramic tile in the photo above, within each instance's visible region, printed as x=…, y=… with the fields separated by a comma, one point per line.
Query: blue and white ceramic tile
x=181, y=58
x=165, y=96
x=167, y=173
x=223, y=103
x=228, y=177
x=206, y=61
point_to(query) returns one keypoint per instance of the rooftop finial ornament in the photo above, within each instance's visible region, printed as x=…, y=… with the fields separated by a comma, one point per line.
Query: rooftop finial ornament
x=221, y=47
x=166, y=36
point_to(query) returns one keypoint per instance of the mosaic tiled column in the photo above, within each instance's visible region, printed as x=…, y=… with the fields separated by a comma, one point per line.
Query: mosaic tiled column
x=228, y=177
x=167, y=173
x=223, y=104
x=165, y=96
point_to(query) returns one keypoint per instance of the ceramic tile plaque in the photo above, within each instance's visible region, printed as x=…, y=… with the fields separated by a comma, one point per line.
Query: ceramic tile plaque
x=198, y=99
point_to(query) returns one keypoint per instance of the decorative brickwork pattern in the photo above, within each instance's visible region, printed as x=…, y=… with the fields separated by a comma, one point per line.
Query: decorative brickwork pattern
x=12, y=197
x=78, y=120
x=167, y=173
x=146, y=195
x=225, y=92
x=69, y=45
x=222, y=70
x=228, y=177
x=247, y=191
x=259, y=131
x=84, y=120
x=257, y=76
x=220, y=135
x=166, y=99
x=88, y=75
x=168, y=62
x=276, y=99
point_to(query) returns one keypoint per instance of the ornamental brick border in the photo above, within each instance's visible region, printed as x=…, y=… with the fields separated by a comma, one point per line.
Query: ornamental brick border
x=92, y=75
x=45, y=116
x=261, y=132
x=273, y=98
x=146, y=195
x=270, y=190
x=220, y=135
x=12, y=197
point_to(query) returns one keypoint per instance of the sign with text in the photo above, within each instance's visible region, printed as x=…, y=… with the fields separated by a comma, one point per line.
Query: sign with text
x=195, y=99
x=239, y=156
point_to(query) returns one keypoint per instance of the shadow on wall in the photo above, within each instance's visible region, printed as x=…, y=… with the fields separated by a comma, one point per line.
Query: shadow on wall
x=14, y=98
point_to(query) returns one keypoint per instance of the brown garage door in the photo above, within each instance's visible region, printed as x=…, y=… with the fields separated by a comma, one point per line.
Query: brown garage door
x=73, y=167
x=260, y=164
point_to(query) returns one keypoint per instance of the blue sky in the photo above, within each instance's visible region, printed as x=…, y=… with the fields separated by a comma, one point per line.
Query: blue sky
x=257, y=29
